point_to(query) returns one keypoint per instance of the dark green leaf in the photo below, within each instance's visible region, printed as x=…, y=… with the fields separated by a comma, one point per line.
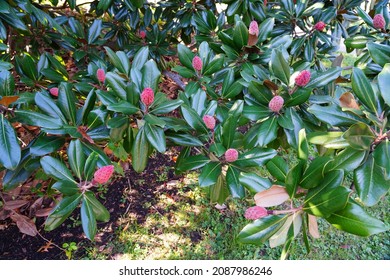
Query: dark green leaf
x=67, y=102
x=240, y=35
x=280, y=66
x=90, y=165
x=325, y=78
x=123, y=107
x=314, y=173
x=328, y=201
x=210, y=173
x=88, y=219
x=67, y=188
x=278, y=168
x=184, y=140
x=254, y=183
x=94, y=31
x=56, y=169
x=382, y=156
x=140, y=151
x=46, y=144
x=101, y=213
x=355, y=220
x=371, y=183
x=9, y=146
x=62, y=211
x=219, y=191
x=293, y=177
x=156, y=137
x=362, y=88
x=379, y=53
x=76, y=158
x=261, y=230
x=150, y=75
x=333, y=115
x=185, y=55
x=384, y=83
x=255, y=157
x=348, y=160
x=233, y=182
x=359, y=136
x=192, y=162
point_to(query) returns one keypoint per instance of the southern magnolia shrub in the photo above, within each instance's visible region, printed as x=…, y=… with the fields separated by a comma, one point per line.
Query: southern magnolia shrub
x=261, y=78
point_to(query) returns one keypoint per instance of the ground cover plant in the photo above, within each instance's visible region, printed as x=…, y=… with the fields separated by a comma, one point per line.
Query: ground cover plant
x=253, y=96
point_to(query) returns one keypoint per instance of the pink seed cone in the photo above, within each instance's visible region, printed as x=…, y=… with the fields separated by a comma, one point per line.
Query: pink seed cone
x=319, y=26
x=379, y=21
x=276, y=104
x=101, y=75
x=102, y=175
x=254, y=28
x=209, y=121
x=142, y=34
x=255, y=212
x=54, y=91
x=231, y=155
x=147, y=96
x=303, y=78
x=197, y=63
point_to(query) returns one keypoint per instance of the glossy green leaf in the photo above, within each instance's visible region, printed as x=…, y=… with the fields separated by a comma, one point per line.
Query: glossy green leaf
x=267, y=131
x=324, y=78
x=116, y=61
x=293, y=177
x=56, y=169
x=359, y=136
x=382, y=156
x=327, y=202
x=355, y=220
x=348, y=160
x=95, y=31
x=88, y=219
x=370, y=182
x=156, y=137
x=46, y=144
x=123, y=107
x=254, y=183
x=90, y=165
x=140, y=58
x=165, y=107
x=9, y=146
x=314, y=173
x=334, y=115
x=358, y=41
x=192, y=162
x=49, y=106
x=185, y=55
x=140, y=151
x=384, y=82
x=76, y=158
x=67, y=102
x=265, y=29
x=379, y=53
x=255, y=157
x=67, y=188
x=303, y=146
x=150, y=75
x=278, y=168
x=62, y=211
x=101, y=213
x=184, y=140
x=193, y=119
x=362, y=88
x=233, y=182
x=240, y=35
x=117, y=84
x=219, y=191
x=104, y=5
x=230, y=124
x=210, y=174
x=261, y=230
x=280, y=66
x=7, y=83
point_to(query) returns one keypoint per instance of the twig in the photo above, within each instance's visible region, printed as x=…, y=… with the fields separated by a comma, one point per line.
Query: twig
x=176, y=78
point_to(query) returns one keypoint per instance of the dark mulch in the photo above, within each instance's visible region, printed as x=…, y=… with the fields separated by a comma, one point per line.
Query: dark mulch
x=125, y=195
